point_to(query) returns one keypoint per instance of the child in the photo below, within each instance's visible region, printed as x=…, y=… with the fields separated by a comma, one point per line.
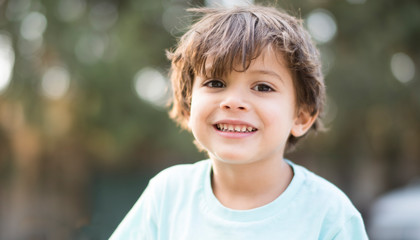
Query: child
x=247, y=82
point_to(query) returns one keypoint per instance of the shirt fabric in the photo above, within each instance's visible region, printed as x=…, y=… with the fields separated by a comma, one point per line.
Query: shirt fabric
x=179, y=204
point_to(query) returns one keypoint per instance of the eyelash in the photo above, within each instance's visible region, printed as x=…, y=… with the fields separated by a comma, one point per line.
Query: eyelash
x=221, y=84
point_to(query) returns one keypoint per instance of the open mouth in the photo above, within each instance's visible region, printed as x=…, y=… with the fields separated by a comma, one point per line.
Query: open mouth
x=234, y=128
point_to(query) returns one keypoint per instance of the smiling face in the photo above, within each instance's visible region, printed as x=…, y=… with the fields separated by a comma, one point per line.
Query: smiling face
x=247, y=116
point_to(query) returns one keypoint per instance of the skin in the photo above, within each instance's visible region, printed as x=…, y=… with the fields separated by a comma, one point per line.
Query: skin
x=248, y=167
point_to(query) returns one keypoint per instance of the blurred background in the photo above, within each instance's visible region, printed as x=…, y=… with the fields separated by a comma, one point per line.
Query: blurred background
x=83, y=122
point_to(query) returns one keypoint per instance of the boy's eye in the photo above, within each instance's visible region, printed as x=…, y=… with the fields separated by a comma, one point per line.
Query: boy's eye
x=214, y=84
x=262, y=88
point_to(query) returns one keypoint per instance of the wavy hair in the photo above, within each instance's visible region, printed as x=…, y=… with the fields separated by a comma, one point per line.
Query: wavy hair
x=230, y=39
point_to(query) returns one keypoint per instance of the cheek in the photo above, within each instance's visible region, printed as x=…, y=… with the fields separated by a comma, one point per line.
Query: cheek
x=192, y=117
x=197, y=111
x=194, y=108
x=279, y=115
x=201, y=102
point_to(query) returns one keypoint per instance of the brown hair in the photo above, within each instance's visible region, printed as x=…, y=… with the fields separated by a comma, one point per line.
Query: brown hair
x=235, y=36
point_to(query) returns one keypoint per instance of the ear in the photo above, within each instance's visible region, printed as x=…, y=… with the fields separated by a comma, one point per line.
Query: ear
x=302, y=122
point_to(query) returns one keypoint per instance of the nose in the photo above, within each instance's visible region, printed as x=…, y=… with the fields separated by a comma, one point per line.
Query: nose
x=234, y=101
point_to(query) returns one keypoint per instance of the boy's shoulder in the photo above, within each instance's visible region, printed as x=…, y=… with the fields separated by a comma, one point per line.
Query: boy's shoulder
x=321, y=201
x=315, y=184
x=324, y=195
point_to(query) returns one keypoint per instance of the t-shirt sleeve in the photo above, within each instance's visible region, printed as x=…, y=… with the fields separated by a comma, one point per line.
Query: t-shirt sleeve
x=140, y=222
x=352, y=229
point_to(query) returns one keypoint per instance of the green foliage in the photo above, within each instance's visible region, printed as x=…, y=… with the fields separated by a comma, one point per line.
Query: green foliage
x=101, y=123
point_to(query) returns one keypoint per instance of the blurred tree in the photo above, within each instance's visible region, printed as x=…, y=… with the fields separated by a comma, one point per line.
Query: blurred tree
x=72, y=112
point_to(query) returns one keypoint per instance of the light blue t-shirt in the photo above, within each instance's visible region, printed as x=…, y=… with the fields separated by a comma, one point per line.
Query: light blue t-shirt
x=179, y=204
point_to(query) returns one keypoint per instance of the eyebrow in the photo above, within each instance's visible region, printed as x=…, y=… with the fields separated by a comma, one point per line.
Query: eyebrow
x=267, y=72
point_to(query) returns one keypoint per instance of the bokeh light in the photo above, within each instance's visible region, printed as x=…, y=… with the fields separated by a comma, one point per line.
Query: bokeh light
x=402, y=67
x=151, y=86
x=78, y=145
x=7, y=60
x=321, y=25
x=33, y=26
x=55, y=82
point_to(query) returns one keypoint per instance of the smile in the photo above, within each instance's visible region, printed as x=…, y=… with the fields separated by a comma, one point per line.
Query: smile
x=234, y=128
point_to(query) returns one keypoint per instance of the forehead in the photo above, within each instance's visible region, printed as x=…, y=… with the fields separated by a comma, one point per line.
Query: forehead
x=267, y=60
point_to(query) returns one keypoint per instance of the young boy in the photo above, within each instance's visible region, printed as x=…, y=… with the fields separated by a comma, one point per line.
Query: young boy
x=247, y=82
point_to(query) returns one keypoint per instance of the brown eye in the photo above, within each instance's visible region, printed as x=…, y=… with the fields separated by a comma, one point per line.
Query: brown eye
x=263, y=88
x=214, y=84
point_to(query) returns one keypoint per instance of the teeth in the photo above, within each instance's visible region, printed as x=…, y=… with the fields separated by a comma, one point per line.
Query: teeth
x=234, y=128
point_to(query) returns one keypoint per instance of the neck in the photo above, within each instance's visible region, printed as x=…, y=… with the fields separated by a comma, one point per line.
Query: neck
x=247, y=186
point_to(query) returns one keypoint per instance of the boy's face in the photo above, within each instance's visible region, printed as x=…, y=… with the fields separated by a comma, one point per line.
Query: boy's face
x=248, y=116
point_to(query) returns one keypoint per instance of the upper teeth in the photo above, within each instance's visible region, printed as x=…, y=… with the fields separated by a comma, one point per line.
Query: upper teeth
x=234, y=128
